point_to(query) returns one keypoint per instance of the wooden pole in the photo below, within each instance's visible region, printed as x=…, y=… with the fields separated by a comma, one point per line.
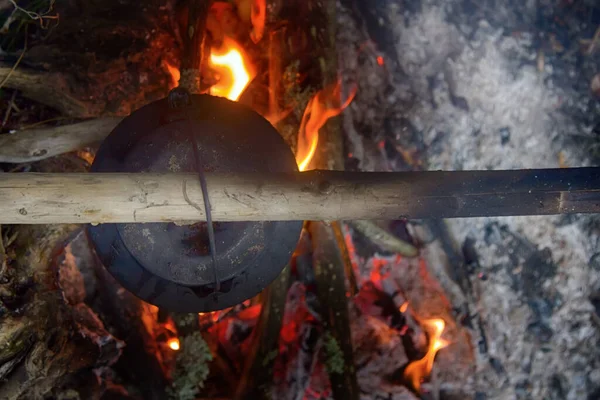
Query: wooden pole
x=31, y=198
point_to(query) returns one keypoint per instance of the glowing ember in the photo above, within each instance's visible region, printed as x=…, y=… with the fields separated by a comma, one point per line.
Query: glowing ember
x=173, y=344
x=258, y=16
x=211, y=316
x=418, y=370
x=231, y=63
x=404, y=307
x=324, y=105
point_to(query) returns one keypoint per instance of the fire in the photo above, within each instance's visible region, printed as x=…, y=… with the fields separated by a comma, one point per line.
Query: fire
x=258, y=16
x=174, y=73
x=231, y=63
x=173, y=344
x=404, y=307
x=324, y=105
x=212, y=316
x=416, y=371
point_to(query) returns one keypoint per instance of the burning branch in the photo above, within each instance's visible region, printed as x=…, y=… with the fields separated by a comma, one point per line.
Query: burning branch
x=195, y=41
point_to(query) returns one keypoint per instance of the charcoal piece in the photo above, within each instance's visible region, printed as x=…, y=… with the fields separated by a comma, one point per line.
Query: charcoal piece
x=504, y=135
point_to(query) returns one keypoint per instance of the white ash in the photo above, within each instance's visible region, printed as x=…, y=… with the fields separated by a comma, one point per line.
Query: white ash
x=510, y=118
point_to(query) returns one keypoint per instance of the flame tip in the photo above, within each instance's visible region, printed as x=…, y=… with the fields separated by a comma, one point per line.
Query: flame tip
x=317, y=112
x=236, y=72
x=173, y=344
x=418, y=370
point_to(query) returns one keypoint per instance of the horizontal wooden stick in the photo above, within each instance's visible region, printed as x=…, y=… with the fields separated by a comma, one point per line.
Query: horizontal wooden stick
x=30, y=198
x=37, y=144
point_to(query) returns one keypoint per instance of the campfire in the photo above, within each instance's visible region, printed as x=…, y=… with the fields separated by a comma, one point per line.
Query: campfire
x=233, y=70
x=353, y=309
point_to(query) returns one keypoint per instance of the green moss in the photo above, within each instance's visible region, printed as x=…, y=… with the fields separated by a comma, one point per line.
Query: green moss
x=191, y=369
x=334, y=358
x=294, y=95
x=186, y=320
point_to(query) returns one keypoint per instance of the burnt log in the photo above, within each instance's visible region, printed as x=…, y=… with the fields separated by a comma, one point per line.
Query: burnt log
x=257, y=377
x=331, y=291
x=46, y=337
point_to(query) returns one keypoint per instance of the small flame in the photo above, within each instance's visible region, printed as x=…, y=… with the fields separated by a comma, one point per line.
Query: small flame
x=212, y=316
x=416, y=371
x=324, y=105
x=258, y=16
x=174, y=72
x=231, y=63
x=173, y=344
x=404, y=307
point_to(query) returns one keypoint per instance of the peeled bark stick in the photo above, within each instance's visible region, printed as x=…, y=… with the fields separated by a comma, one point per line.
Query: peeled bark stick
x=38, y=144
x=30, y=198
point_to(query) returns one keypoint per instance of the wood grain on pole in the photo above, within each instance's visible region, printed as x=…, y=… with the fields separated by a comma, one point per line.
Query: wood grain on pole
x=32, y=198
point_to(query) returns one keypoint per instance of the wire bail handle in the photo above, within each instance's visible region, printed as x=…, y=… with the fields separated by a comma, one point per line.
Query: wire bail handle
x=180, y=99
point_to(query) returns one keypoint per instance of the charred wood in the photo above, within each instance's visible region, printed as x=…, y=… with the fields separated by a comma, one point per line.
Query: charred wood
x=331, y=291
x=257, y=378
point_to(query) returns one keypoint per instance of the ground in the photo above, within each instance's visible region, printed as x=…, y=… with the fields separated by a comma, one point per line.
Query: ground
x=459, y=85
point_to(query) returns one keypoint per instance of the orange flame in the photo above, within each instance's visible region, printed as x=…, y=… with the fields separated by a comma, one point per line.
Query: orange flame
x=404, y=307
x=258, y=16
x=211, y=316
x=231, y=63
x=173, y=344
x=416, y=371
x=324, y=105
x=174, y=73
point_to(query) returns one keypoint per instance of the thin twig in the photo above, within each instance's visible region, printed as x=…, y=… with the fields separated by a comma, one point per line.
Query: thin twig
x=9, y=109
x=42, y=18
x=26, y=127
x=14, y=67
x=384, y=239
x=594, y=42
x=2, y=253
x=7, y=77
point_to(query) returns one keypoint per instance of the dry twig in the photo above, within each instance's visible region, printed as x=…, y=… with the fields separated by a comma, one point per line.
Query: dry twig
x=594, y=42
x=384, y=239
x=16, y=64
x=44, y=19
x=9, y=108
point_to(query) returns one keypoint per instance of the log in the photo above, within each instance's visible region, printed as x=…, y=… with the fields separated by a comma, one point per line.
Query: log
x=50, y=88
x=30, y=198
x=38, y=144
x=257, y=378
x=331, y=292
